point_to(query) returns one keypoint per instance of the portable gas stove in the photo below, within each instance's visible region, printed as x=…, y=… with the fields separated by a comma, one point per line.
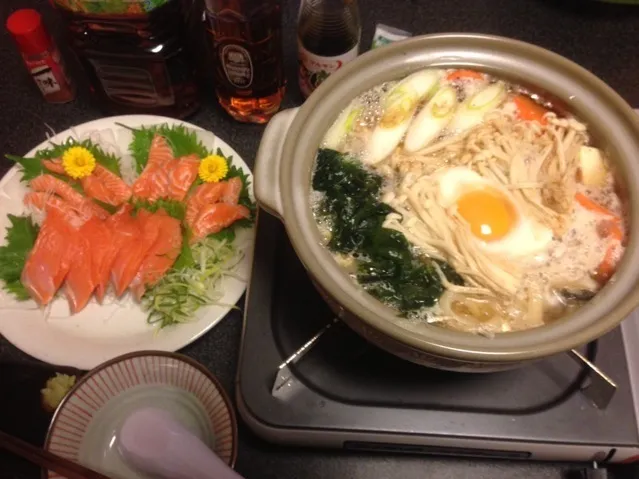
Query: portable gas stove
x=346, y=393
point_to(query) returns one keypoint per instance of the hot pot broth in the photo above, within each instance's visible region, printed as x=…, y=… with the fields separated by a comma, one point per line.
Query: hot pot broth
x=459, y=199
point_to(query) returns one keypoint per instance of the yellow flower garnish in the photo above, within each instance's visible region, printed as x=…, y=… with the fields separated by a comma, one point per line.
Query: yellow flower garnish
x=213, y=168
x=78, y=162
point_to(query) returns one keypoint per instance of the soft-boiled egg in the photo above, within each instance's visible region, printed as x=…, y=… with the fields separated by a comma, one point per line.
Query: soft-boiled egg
x=492, y=214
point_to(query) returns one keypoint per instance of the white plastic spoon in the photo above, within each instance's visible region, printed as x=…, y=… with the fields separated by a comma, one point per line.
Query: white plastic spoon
x=152, y=441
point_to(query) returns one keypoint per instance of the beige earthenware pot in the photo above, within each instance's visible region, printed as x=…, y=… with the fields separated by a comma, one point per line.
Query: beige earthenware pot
x=283, y=177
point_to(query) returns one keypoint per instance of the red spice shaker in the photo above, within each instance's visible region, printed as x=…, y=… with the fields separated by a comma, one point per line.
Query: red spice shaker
x=41, y=56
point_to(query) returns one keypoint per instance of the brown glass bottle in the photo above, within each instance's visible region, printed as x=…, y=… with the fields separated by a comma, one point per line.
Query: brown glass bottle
x=137, y=62
x=247, y=45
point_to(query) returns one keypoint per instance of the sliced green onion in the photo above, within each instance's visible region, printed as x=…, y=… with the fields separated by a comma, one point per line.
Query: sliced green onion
x=180, y=293
x=432, y=119
x=342, y=126
x=472, y=111
x=400, y=105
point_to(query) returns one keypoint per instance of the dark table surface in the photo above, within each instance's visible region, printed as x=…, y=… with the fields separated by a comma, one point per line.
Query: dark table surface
x=602, y=38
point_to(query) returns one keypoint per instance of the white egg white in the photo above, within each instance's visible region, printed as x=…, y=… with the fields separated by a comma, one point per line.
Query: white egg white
x=527, y=237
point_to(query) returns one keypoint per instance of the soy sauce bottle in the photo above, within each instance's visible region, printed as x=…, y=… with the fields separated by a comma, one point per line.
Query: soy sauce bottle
x=328, y=35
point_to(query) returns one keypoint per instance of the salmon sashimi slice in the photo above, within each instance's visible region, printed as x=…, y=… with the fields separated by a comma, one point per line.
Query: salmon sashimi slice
x=122, y=229
x=232, y=191
x=52, y=185
x=81, y=279
x=133, y=251
x=54, y=165
x=126, y=232
x=50, y=259
x=103, y=255
x=92, y=252
x=106, y=186
x=160, y=153
x=214, y=218
x=210, y=193
x=153, y=183
x=182, y=176
x=161, y=256
x=204, y=195
x=100, y=257
x=152, y=186
x=46, y=202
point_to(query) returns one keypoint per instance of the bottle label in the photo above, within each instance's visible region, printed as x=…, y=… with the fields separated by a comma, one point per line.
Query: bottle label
x=48, y=73
x=237, y=65
x=314, y=69
x=134, y=83
x=45, y=79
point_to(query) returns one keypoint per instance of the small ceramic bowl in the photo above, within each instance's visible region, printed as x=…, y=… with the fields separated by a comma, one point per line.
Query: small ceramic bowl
x=85, y=425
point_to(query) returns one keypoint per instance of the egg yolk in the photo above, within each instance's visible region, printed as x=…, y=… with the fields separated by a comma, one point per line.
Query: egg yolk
x=490, y=214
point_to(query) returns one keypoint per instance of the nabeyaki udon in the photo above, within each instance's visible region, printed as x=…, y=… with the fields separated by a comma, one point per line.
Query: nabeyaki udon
x=503, y=214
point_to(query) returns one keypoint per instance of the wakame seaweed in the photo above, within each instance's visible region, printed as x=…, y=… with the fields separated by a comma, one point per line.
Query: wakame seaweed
x=386, y=268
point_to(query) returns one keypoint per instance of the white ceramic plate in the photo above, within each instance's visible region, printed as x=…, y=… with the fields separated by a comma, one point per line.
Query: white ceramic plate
x=102, y=332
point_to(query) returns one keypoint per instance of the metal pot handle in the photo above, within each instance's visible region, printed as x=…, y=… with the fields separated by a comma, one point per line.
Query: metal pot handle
x=269, y=160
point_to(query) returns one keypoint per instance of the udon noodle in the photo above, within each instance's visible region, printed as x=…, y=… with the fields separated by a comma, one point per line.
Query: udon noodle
x=513, y=198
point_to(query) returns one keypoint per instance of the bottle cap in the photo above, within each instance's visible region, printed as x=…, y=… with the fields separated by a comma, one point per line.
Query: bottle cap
x=28, y=31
